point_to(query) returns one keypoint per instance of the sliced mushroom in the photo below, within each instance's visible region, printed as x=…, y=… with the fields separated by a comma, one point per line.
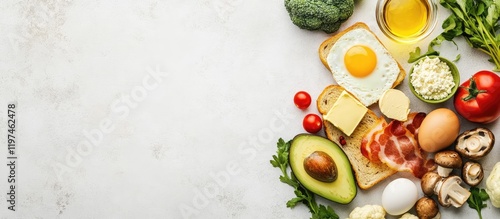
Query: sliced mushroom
x=472, y=173
x=428, y=182
x=476, y=143
x=427, y=208
x=451, y=193
x=447, y=161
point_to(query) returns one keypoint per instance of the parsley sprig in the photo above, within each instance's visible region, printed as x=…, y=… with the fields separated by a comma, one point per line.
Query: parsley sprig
x=476, y=199
x=303, y=195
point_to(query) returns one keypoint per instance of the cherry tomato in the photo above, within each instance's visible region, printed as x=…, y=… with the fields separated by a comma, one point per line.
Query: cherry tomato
x=312, y=123
x=477, y=99
x=302, y=100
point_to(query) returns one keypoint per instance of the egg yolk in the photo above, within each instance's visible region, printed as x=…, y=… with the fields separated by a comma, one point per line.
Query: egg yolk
x=360, y=61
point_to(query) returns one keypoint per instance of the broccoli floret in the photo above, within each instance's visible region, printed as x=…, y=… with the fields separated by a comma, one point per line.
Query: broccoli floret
x=326, y=15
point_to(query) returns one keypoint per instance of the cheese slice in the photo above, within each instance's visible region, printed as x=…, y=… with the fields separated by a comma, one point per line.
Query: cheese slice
x=394, y=104
x=346, y=113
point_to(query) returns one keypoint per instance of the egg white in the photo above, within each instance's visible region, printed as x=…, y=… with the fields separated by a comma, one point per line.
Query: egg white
x=370, y=88
x=399, y=196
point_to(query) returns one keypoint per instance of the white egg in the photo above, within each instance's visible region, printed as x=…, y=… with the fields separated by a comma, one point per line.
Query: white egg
x=369, y=73
x=399, y=196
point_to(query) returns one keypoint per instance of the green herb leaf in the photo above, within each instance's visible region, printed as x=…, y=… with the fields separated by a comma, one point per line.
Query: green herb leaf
x=274, y=161
x=435, y=42
x=476, y=199
x=493, y=13
x=293, y=202
x=480, y=9
x=415, y=55
x=462, y=4
x=325, y=213
x=477, y=21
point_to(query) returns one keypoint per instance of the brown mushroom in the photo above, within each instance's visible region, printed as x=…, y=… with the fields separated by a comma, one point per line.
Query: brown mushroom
x=428, y=182
x=447, y=161
x=427, y=208
x=451, y=193
x=476, y=143
x=472, y=173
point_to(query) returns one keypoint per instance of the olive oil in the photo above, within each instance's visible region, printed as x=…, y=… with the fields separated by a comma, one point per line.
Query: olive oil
x=406, y=18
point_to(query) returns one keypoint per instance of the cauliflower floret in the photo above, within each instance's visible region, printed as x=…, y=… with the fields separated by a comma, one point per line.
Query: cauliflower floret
x=408, y=216
x=368, y=212
x=493, y=185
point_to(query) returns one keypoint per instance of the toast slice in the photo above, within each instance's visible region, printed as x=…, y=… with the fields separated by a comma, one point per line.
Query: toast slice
x=326, y=46
x=366, y=172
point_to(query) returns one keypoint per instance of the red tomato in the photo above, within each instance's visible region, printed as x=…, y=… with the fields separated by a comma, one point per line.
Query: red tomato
x=302, y=99
x=312, y=123
x=478, y=99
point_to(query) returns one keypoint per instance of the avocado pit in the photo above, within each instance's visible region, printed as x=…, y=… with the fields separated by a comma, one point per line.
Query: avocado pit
x=320, y=166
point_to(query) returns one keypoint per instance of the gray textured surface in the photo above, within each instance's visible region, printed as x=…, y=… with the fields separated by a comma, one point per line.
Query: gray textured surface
x=138, y=109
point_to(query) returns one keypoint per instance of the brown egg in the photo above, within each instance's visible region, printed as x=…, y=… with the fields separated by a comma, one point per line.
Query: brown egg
x=439, y=130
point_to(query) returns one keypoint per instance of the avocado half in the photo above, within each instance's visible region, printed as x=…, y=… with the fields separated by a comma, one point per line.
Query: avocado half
x=343, y=189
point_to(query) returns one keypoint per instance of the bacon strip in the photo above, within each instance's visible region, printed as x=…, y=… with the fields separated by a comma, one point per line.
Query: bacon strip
x=369, y=149
x=395, y=145
x=413, y=123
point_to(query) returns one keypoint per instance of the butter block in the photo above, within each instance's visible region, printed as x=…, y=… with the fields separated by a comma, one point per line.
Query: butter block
x=346, y=113
x=394, y=104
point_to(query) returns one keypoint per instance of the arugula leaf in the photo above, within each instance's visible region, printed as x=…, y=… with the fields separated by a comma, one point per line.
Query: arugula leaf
x=476, y=199
x=415, y=55
x=303, y=195
x=475, y=20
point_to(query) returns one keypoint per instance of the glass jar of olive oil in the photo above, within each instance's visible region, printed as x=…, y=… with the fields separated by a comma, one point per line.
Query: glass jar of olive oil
x=406, y=21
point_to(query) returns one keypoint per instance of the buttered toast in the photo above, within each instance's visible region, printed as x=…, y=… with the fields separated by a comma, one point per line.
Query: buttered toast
x=366, y=172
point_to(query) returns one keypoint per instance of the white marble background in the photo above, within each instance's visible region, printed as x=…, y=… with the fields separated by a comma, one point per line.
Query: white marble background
x=167, y=109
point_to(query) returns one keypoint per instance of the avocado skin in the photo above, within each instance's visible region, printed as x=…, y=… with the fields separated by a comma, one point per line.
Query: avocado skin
x=343, y=190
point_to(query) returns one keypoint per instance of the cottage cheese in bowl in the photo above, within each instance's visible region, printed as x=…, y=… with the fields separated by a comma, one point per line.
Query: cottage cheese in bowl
x=434, y=79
